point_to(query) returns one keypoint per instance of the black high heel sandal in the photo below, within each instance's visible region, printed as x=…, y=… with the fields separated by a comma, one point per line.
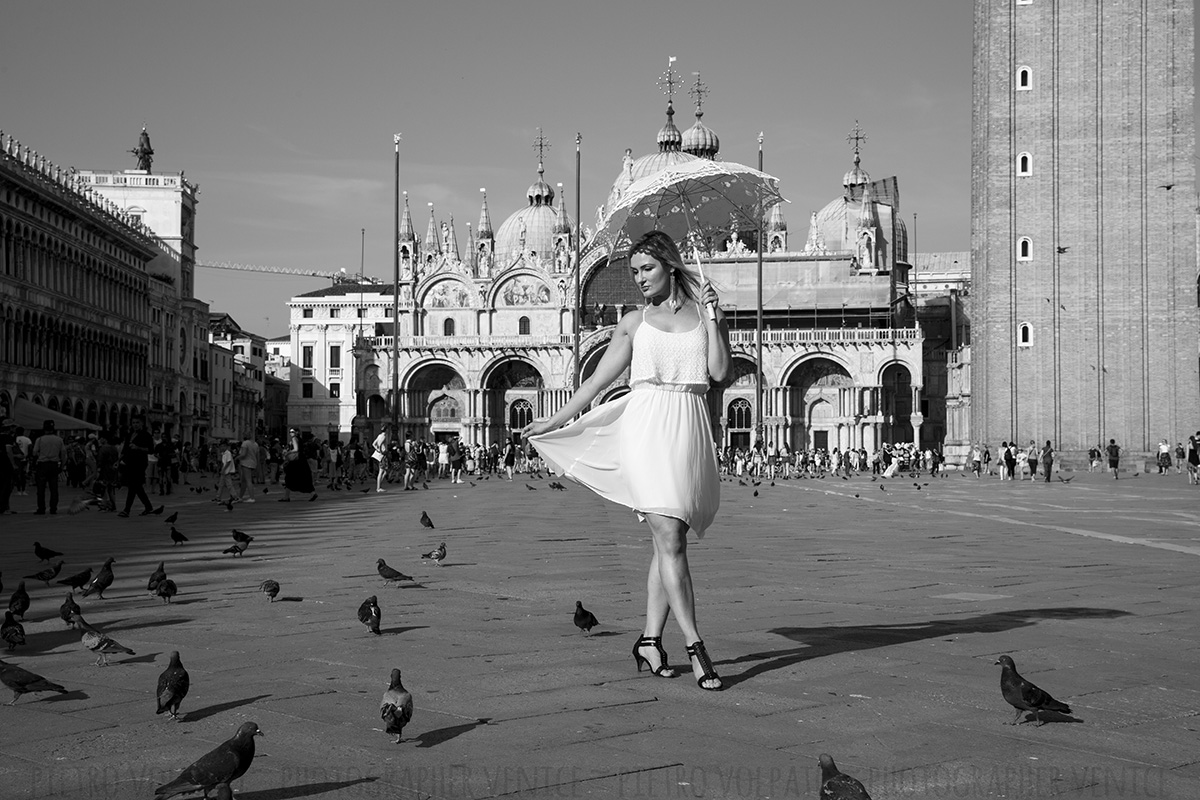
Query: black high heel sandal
x=698, y=652
x=664, y=670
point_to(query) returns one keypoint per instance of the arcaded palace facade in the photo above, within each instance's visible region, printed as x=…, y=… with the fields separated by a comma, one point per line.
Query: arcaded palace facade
x=1084, y=224
x=485, y=327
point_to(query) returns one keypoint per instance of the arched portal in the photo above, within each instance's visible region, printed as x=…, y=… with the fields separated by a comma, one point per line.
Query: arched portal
x=813, y=383
x=507, y=383
x=897, y=400
x=435, y=402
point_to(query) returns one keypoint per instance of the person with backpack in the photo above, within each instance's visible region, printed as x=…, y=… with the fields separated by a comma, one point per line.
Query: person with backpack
x=1113, y=451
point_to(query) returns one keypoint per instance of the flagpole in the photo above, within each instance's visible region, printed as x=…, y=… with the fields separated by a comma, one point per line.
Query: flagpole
x=396, y=291
x=578, y=289
x=758, y=356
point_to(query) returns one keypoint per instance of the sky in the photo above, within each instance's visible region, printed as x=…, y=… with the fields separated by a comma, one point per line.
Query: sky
x=283, y=111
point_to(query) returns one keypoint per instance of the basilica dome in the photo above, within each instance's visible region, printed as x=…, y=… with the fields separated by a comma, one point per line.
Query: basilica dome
x=531, y=229
x=670, y=141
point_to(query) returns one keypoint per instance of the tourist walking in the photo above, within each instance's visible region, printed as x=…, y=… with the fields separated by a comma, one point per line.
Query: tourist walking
x=652, y=449
x=247, y=465
x=135, y=458
x=378, y=455
x=1047, y=459
x=48, y=455
x=1114, y=457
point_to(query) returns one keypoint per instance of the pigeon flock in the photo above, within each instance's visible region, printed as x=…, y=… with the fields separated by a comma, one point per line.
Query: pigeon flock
x=213, y=773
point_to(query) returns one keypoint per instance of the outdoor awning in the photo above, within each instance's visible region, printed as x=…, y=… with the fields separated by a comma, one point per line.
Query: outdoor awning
x=31, y=416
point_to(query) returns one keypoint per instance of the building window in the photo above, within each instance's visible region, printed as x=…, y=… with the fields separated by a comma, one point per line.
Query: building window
x=306, y=358
x=335, y=357
x=362, y=313
x=1024, y=249
x=520, y=414
x=1024, y=165
x=523, y=326
x=239, y=350
x=275, y=350
x=334, y=313
x=1024, y=335
x=1024, y=79
x=335, y=390
x=306, y=313
x=306, y=390
x=447, y=327
x=740, y=415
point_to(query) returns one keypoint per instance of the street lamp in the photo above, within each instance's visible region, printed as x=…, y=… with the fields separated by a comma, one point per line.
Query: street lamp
x=396, y=290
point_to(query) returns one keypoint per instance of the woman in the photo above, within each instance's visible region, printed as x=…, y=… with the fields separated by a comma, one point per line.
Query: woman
x=652, y=449
x=297, y=474
x=1048, y=459
x=1193, y=458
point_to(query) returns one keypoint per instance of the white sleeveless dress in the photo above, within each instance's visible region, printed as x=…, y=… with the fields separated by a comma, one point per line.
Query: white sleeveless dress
x=651, y=449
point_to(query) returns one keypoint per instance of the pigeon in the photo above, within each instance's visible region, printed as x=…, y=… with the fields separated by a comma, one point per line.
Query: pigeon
x=225, y=763
x=426, y=522
x=756, y=492
x=389, y=574
x=364, y=491
x=158, y=511
x=173, y=686
x=18, y=604
x=12, y=632
x=837, y=785
x=82, y=624
x=370, y=615
x=396, y=707
x=438, y=554
x=228, y=504
x=68, y=608
x=424, y=485
x=270, y=589
x=78, y=580
x=531, y=488
x=171, y=520
x=558, y=487
x=47, y=575
x=102, y=581
x=22, y=681
x=99, y=642
x=1023, y=695
x=238, y=536
x=742, y=482
x=236, y=549
x=80, y=505
x=44, y=553
x=1065, y=480
x=584, y=619
x=166, y=590
x=158, y=576
x=177, y=537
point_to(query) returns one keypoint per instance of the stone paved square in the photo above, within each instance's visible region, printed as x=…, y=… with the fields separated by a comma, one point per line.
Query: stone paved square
x=858, y=617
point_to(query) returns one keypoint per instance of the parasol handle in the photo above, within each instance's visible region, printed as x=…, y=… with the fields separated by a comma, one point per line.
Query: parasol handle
x=712, y=311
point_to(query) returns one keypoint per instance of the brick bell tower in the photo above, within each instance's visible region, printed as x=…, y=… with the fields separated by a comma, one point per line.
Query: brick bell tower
x=1084, y=224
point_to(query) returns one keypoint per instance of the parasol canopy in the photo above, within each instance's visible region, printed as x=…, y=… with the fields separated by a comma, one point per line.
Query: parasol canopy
x=31, y=416
x=689, y=202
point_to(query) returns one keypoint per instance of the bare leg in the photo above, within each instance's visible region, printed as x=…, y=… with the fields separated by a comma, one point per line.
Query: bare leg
x=675, y=579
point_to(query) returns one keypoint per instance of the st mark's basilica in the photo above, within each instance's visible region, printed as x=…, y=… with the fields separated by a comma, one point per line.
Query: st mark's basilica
x=486, y=327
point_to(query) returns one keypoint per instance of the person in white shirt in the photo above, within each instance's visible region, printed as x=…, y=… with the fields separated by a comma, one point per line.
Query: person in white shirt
x=247, y=465
x=378, y=451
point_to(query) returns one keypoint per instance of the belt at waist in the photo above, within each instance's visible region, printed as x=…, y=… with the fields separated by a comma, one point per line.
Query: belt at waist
x=683, y=388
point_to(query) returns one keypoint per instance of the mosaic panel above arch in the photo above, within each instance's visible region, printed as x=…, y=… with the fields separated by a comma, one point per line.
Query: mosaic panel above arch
x=523, y=290
x=819, y=371
x=448, y=293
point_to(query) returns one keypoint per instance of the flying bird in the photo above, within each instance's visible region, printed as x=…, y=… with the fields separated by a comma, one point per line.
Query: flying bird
x=81, y=504
x=77, y=581
x=396, y=707
x=437, y=555
x=44, y=553
x=426, y=522
x=18, y=604
x=370, y=615
x=1061, y=249
x=171, y=520
x=270, y=589
x=1167, y=186
x=390, y=575
x=12, y=632
x=102, y=581
x=98, y=642
x=221, y=765
x=158, y=576
x=166, y=590
x=531, y=488
x=68, y=608
x=177, y=537
x=584, y=619
x=47, y=575
x=22, y=681
x=236, y=549
x=238, y=536
x=837, y=785
x=1025, y=696
x=173, y=685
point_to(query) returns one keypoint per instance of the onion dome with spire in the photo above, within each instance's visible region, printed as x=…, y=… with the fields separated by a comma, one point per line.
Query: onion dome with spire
x=857, y=175
x=670, y=142
x=700, y=140
x=532, y=229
